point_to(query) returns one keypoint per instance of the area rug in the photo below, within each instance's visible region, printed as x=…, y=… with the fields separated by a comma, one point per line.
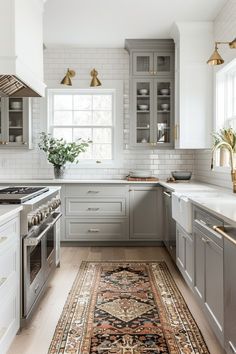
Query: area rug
x=126, y=308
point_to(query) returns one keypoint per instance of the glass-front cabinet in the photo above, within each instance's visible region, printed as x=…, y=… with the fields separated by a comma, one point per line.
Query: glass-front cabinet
x=152, y=64
x=153, y=112
x=15, y=122
x=152, y=92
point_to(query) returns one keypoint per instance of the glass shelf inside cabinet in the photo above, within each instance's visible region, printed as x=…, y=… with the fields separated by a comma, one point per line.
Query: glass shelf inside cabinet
x=15, y=120
x=143, y=112
x=163, y=134
x=163, y=63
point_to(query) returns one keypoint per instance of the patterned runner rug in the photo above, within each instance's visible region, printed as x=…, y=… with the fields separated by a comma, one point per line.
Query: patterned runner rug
x=126, y=308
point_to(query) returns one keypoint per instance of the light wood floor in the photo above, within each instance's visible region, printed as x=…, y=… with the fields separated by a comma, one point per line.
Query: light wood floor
x=35, y=339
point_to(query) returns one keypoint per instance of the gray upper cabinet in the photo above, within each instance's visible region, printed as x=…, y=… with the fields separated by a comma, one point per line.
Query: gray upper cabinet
x=143, y=64
x=15, y=122
x=152, y=93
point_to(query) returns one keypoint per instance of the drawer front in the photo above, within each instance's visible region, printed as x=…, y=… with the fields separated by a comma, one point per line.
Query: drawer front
x=206, y=218
x=102, y=230
x=9, y=318
x=205, y=222
x=95, y=190
x=9, y=232
x=9, y=267
x=97, y=207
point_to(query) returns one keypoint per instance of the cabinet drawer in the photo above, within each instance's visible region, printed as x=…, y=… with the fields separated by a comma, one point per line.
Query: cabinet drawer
x=206, y=218
x=9, y=265
x=9, y=232
x=97, y=207
x=205, y=222
x=101, y=230
x=9, y=318
x=95, y=190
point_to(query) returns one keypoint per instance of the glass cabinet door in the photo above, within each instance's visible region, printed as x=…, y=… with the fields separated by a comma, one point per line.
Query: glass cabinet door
x=143, y=91
x=143, y=64
x=163, y=63
x=163, y=111
x=17, y=114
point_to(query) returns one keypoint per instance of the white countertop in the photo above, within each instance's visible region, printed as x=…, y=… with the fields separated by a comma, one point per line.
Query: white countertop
x=74, y=181
x=6, y=211
x=223, y=205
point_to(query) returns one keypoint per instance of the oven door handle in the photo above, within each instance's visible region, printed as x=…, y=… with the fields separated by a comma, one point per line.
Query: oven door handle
x=34, y=241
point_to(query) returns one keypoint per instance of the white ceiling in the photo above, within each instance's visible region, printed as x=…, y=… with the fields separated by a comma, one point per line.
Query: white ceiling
x=106, y=23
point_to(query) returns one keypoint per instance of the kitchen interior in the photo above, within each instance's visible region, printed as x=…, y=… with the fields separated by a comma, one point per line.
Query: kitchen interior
x=117, y=177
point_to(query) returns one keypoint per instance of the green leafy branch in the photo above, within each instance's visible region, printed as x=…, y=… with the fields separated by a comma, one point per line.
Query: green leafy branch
x=59, y=152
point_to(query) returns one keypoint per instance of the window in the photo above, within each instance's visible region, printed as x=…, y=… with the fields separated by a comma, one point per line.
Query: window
x=87, y=114
x=225, y=99
x=226, y=96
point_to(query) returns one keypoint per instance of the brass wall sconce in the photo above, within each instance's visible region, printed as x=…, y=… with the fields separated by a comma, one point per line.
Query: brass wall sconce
x=95, y=81
x=67, y=79
x=215, y=58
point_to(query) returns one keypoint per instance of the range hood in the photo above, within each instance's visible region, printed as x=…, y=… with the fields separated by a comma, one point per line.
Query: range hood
x=21, y=50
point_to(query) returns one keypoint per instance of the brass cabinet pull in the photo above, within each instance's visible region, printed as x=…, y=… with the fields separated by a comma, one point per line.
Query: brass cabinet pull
x=176, y=132
x=224, y=234
x=93, y=192
x=93, y=209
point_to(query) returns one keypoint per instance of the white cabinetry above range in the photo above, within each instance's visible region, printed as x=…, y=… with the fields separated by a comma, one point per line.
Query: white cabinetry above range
x=193, y=85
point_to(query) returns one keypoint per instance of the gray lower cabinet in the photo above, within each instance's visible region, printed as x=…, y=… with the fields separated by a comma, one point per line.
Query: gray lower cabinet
x=146, y=213
x=230, y=292
x=96, y=212
x=184, y=254
x=208, y=277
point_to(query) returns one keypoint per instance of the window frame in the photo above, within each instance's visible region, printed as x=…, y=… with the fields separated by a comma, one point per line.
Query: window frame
x=222, y=82
x=116, y=89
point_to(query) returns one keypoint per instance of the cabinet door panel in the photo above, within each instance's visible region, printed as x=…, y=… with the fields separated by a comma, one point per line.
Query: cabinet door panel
x=163, y=63
x=189, y=257
x=180, y=251
x=146, y=214
x=142, y=127
x=214, y=282
x=143, y=63
x=199, y=278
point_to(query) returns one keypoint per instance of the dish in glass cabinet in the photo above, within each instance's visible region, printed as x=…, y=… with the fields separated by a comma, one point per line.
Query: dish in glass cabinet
x=143, y=92
x=143, y=107
x=165, y=106
x=164, y=91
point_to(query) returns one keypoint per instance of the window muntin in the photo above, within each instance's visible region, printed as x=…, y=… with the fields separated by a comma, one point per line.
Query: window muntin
x=86, y=115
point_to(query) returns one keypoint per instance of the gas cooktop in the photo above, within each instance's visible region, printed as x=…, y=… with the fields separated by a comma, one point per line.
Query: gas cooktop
x=19, y=195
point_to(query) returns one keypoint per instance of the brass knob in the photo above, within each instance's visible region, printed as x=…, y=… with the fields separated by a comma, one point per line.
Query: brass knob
x=24, y=143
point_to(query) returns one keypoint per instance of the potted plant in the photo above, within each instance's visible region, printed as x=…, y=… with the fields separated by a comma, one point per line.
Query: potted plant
x=59, y=152
x=229, y=136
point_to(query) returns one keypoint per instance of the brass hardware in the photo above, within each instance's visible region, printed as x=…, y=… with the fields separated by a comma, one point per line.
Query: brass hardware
x=67, y=79
x=95, y=81
x=223, y=233
x=98, y=161
x=93, y=230
x=233, y=170
x=215, y=58
x=176, y=132
x=24, y=143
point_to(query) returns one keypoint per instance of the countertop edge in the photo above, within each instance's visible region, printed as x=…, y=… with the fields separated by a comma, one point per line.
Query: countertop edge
x=6, y=211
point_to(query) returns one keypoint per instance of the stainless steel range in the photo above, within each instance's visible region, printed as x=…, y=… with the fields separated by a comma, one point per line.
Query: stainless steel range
x=40, y=234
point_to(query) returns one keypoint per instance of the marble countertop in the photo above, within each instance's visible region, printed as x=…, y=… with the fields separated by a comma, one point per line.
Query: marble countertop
x=217, y=200
x=6, y=211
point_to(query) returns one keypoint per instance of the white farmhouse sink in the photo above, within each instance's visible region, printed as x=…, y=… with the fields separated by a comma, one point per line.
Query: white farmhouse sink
x=182, y=205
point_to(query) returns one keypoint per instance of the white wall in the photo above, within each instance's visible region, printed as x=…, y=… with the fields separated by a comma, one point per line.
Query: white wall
x=112, y=64
x=225, y=30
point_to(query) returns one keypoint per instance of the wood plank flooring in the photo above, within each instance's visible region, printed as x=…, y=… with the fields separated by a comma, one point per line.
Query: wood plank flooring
x=36, y=338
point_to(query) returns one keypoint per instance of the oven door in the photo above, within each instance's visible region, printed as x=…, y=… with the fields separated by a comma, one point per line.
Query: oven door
x=38, y=261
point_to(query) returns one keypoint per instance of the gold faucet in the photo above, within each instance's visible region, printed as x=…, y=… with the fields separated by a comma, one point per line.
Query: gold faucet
x=233, y=171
